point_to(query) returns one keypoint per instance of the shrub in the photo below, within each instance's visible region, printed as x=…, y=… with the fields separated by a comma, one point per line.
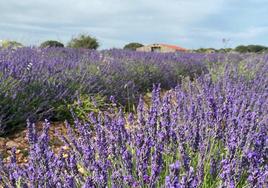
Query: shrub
x=250, y=48
x=132, y=46
x=224, y=50
x=241, y=49
x=10, y=44
x=81, y=107
x=51, y=43
x=256, y=48
x=84, y=41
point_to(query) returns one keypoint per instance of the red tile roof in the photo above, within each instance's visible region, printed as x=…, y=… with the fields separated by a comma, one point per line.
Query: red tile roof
x=178, y=48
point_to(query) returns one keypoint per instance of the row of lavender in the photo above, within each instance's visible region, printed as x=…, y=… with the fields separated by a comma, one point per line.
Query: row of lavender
x=37, y=83
x=203, y=133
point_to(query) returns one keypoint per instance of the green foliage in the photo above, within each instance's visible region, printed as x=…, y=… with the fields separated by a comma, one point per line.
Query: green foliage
x=51, y=43
x=224, y=50
x=242, y=69
x=265, y=51
x=133, y=46
x=241, y=49
x=84, y=41
x=256, y=48
x=82, y=107
x=205, y=50
x=250, y=48
x=150, y=71
x=246, y=71
x=213, y=50
x=10, y=44
x=86, y=104
x=216, y=70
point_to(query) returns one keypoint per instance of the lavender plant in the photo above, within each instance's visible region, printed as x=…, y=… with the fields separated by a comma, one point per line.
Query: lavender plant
x=203, y=133
x=35, y=83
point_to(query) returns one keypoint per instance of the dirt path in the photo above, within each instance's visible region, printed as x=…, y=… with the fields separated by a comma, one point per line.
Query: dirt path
x=20, y=141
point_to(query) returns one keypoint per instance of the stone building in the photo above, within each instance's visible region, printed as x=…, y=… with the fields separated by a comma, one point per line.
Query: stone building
x=161, y=48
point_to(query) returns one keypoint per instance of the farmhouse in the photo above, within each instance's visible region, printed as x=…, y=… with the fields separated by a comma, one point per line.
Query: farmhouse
x=161, y=48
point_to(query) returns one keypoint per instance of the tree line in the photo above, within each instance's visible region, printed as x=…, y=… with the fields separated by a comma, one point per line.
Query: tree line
x=81, y=41
x=89, y=42
x=239, y=49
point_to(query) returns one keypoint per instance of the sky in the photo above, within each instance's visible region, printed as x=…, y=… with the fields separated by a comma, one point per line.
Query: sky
x=187, y=23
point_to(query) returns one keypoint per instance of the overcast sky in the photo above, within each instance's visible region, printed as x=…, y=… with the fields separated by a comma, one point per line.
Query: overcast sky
x=187, y=23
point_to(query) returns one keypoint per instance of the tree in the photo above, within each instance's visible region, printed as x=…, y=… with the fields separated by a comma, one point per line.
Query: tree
x=241, y=49
x=51, y=43
x=256, y=48
x=224, y=50
x=84, y=41
x=133, y=46
x=10, y=44
x=250, y=48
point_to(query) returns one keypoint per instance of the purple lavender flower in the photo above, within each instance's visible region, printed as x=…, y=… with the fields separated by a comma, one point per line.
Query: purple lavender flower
x=206, y=132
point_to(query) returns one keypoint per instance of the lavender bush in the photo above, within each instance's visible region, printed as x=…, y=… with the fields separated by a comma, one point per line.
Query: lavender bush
x=203, y=133
x=39, y=83
x=36, y=83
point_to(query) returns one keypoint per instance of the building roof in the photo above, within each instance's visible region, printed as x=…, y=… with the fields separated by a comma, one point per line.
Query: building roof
x=178, y=48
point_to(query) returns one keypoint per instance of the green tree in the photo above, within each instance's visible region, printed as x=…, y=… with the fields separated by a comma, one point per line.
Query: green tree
x=256, y=48
x=241, y=49
x=251, y=48
x=133, y=46
x=84, y=41
x=205, y=50
x=10, y=44
x=224, y=50
x=51, y=43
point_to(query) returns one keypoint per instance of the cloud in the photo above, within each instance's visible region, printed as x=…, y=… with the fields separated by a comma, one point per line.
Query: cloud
x=116, y=22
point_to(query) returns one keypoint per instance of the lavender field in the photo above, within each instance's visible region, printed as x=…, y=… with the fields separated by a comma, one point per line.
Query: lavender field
x=205, y=126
